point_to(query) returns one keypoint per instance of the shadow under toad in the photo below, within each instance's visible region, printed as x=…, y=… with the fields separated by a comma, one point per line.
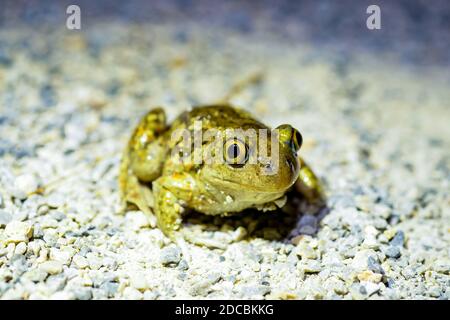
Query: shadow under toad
x=297, y=217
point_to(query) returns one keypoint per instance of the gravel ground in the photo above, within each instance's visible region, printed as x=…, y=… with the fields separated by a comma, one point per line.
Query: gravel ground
x=376, y=132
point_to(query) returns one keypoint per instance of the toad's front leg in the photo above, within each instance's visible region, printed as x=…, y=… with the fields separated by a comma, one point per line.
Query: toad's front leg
x=308, y=185
x=142, y=160
x=168, y=208
x=172, y=193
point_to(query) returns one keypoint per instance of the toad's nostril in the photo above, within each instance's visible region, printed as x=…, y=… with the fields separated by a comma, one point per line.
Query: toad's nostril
x=267, y=167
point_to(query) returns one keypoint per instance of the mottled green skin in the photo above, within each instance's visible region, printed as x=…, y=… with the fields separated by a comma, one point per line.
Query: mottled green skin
x=216, y=188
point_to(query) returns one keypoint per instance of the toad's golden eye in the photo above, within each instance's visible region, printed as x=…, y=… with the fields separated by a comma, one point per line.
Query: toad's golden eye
x=235, y=153
x=297, y=139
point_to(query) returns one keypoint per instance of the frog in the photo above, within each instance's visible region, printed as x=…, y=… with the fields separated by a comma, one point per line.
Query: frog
x=154, y=178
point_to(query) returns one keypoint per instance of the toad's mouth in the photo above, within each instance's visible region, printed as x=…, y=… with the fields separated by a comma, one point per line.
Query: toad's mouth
x=229, y=184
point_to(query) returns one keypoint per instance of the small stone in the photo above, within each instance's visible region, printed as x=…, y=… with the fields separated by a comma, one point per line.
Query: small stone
x=17, y=231
x=19, y=263
x=214, y=277
x=200, y=288
x=110, y=288
x=305, y=251
x=36, y=275
x=138, y=281
x=58, y=215
x=24, y=185
x=390, y=233
x=43, y=255
x=21, y=216
x=150, y=295
x=21, y=248
x=368, y=275
x=369, y=288
x=43, y=209
x=170, y=255
x=382, y=211
x=398, y=240
x=62, y=255
x=56, y=282
x=392, y=252
x=370, y=240
x=132, y=294
x=296, y=240
x=98, y=294
x=182, y=276
x=339, y=287
x=50, y=237
x=51, y=267
x=5, y=218
x=183, y=265
x=361, y=259
x=442, y=266
x=380, y=224
x=434, y=292
x=374, y=265
x=309, y=266
x=255, y=291
x=55, y=200
x=408, y=272
x=83, y=294
x=341, y=201
x=94, y=261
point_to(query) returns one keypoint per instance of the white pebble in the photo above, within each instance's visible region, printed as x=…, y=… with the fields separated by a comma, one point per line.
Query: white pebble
x=138, y=281
x=25, y=184
x=132, y=294
x=21, y=248
x=51, y=267
x=80, y=261
x=62, y=255
x=17, y=231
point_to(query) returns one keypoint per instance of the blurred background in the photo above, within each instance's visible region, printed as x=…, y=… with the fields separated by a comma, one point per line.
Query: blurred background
x=416, y=29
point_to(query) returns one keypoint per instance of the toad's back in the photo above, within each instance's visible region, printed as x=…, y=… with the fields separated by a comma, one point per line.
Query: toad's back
x=219, y=117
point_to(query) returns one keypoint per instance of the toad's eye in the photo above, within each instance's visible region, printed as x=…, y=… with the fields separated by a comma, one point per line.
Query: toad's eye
x=235, y=153
x=297, y=140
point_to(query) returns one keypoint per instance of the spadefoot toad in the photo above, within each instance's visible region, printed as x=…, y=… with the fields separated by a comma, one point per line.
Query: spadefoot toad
x=169, y=160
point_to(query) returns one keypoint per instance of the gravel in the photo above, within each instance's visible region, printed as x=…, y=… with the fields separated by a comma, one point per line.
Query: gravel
x=398, y=239
x=170, y=256
x=51, y=267
x=17, y=231
x=5, y=218
x=375, y=133
x=393, y=252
